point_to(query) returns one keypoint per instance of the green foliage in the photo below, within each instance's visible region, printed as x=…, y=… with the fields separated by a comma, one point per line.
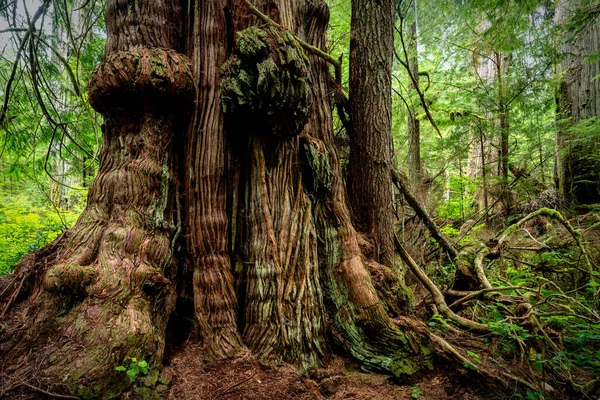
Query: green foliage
x=25, y=227
x=134, y=369
x=416, y=392
x=438, y=322
x=461, y=202
x=530, y=395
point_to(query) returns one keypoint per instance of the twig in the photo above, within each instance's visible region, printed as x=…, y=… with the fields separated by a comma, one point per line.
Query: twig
x=40, y=390
x=227, y=389
x=405, y=64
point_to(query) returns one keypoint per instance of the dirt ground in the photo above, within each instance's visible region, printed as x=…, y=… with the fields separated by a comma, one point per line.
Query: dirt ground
x=244, y=378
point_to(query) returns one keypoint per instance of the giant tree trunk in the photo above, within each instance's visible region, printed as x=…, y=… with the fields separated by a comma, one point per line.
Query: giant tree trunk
x=104, y=290
x=236, y=220
x=577, y=167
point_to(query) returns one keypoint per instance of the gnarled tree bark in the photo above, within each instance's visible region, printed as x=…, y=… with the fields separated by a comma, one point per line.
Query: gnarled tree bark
x=243, y=227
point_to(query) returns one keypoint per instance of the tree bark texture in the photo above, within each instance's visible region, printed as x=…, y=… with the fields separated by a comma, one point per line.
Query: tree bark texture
x=578, y=98
x=489, y=151
x=241, y=227
x=207, y=240
x=104, y=290
x=369, y=177
x=503, y=126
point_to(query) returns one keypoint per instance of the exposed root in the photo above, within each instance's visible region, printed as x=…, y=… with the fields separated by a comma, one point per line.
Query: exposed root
x=557, y=216
x=478, y=266
x=473, y=295
x=437, y=295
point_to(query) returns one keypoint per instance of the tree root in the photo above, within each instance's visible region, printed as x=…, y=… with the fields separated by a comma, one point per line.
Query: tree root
x=557, y=216
x=438, y=297
x=478, y=266
x=473, y=295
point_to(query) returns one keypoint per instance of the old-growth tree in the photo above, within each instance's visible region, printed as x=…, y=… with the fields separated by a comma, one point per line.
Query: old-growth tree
x=577, y=172
x=218, y=199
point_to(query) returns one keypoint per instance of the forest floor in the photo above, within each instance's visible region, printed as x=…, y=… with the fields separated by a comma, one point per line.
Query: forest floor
x=244, y=378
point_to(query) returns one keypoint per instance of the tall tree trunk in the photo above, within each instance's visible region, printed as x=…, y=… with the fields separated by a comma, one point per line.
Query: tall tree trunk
x=207, y=256
x=503, y=126
x=577, y=165
x=370, y=184
x=482, y=156
x=414, y=134
x=490, y=147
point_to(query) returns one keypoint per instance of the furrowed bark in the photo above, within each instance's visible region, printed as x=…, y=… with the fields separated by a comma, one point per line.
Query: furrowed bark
x=359, y=323
x=265, y=95
x=106, y=287
x=214, y=297
x=283, y=313
x=369, y=179
x=578, y=98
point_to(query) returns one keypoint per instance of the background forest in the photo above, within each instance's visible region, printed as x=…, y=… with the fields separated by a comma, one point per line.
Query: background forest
x=495, y=115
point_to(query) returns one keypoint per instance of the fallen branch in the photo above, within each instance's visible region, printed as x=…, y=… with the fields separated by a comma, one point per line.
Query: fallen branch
x=227, y=389
x=42, y=391
x=448, y=348
x=400, y=183
x=478, y=293
x=437, y=296
x=555, y=215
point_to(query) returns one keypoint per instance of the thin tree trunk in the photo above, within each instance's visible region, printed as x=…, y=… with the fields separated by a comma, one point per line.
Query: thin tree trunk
x=414, y=134
x=482, y=155
x=503, y=125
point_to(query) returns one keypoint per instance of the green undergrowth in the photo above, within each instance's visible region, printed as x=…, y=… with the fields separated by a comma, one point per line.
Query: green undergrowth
x=551, y=324
x=25, y=226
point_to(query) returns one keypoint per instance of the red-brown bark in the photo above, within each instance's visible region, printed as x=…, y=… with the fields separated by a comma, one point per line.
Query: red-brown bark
x=245, y=231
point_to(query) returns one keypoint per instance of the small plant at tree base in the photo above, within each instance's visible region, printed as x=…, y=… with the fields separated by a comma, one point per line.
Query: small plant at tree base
x=134, y=369
x=437, y=321
x=416, y=392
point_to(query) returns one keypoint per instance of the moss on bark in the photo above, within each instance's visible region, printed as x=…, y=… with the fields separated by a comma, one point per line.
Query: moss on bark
x=265, y=83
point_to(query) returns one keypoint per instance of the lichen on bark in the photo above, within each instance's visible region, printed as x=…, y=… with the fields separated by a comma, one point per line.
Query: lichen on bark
x=265, y=81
